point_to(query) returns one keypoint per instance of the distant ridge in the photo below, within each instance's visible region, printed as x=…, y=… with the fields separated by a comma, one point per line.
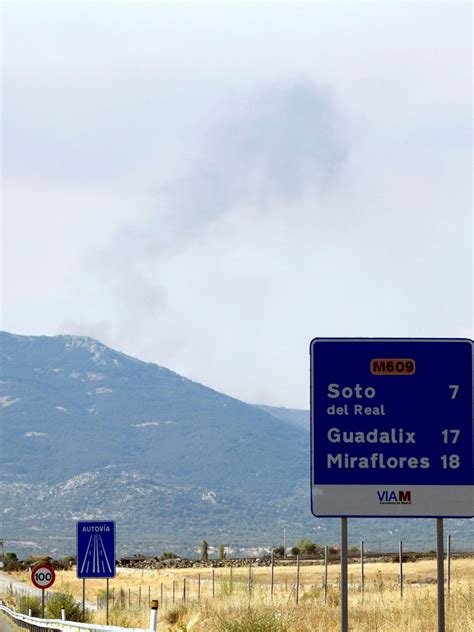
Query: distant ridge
x=296, y=417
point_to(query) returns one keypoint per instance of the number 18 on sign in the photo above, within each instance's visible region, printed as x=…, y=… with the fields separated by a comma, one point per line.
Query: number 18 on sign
x=392, y=427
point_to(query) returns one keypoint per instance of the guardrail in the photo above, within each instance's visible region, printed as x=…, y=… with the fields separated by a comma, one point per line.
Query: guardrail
x=34, y=624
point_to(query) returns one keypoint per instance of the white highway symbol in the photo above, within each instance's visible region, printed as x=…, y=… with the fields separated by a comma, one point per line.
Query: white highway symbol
x=95, y=555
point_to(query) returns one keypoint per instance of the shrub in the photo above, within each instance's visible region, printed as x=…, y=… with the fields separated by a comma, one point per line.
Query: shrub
x=175, y=614
x=253, y=621
x=25, y=602
x=11, y=562
x=308, y=547
x=279, y=551
x=168, y=555
x=66, y=600
x=295, y=551
x=67, y=561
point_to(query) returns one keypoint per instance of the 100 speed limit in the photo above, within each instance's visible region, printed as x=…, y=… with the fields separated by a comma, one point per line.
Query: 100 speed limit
x=43, y=576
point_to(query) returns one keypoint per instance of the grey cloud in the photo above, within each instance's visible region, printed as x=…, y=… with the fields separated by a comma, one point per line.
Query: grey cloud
x=284, y=142
x=277, y=145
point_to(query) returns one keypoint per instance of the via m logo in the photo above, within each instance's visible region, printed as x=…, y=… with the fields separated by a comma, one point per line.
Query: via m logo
x=392, y=497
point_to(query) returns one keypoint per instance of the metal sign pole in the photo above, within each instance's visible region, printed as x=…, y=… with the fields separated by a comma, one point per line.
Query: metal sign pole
x=440, y=572
x=325, y=574
x=83, y=600
x=344, y=578
x=42, y=603
x=448, y=555
x=362, y=579
x=400, y=562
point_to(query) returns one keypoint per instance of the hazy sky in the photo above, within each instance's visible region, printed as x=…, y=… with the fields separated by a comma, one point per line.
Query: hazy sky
x=211, y=186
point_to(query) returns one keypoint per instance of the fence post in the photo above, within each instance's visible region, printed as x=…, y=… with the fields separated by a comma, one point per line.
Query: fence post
x=139, y=596
x=184, y=589
x=63, y=613
x=297, y=578
x=107, y=602
x=199, y=587
x=250, y=577
x=161, y=593
x=174, y=590
x=153, y=614
x=129, y=599
x=149, y=596
x=272, y=577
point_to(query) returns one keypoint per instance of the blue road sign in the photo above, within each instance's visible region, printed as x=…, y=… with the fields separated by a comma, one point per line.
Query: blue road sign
x=95, y=549
x=392, y=427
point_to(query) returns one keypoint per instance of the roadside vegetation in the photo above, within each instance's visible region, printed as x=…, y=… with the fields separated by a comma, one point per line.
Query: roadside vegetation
x=243, y=604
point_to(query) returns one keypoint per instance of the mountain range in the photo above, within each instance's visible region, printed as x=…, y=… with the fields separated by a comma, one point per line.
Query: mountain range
x=88, y=432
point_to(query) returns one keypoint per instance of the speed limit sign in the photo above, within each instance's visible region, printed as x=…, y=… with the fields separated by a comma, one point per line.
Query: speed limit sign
x=43, y=575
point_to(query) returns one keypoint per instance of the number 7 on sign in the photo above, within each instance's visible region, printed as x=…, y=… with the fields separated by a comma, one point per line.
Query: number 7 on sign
x=454, y=390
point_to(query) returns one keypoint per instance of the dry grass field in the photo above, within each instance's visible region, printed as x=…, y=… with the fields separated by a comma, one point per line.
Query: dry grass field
x=234, y=608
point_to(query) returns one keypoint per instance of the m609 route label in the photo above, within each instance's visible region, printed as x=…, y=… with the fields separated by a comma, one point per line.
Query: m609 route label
x=392, y=427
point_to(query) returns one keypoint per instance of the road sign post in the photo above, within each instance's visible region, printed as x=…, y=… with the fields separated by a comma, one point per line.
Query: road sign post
x=440, y=573
x=96, y=553
x=43, y=577
x=391, y=431
x=95, y=549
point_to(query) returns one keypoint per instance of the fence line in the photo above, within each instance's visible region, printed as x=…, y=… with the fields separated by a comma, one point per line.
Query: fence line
x=273, y=581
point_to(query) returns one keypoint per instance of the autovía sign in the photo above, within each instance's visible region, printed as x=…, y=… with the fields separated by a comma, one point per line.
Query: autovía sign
x=392, y=427
x=95, y=549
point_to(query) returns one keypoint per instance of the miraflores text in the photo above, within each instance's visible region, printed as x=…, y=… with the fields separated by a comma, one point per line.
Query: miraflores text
x=376, y=460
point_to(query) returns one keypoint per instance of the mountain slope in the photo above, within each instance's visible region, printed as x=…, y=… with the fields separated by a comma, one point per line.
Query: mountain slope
x=84, y=406
x=88, y=432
